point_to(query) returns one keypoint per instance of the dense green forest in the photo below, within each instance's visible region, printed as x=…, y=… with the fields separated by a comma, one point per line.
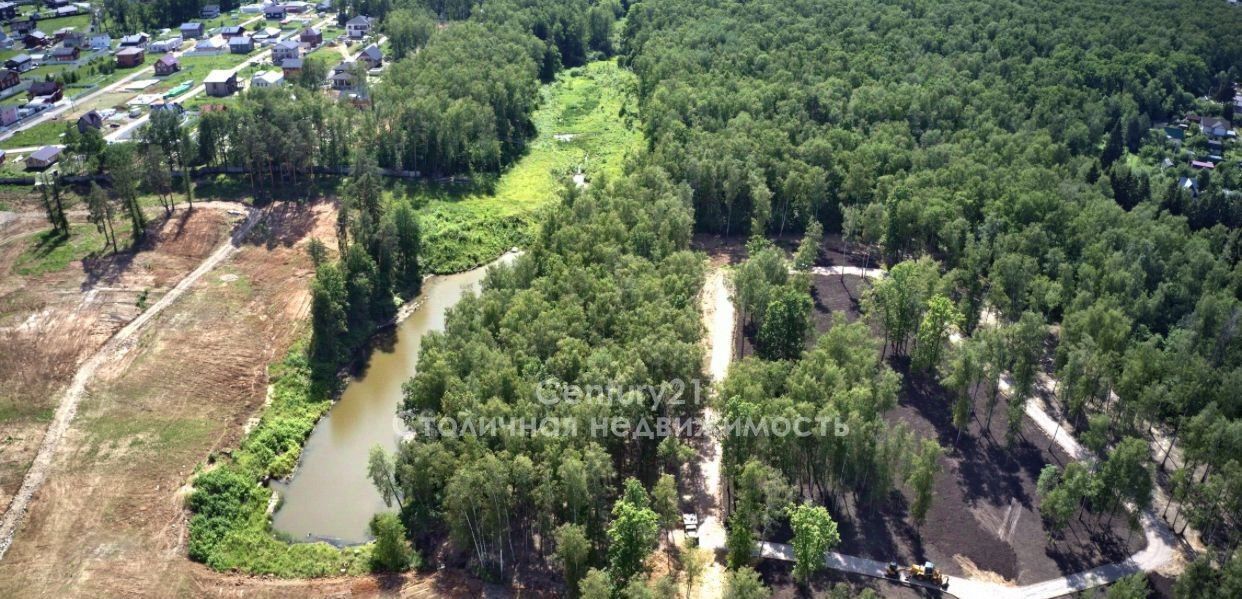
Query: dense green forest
x=995, y=137
x=1011, y=143
x=1001, y=160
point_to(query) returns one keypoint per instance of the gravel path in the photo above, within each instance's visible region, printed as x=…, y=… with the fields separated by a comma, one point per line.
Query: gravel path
x=115, y=348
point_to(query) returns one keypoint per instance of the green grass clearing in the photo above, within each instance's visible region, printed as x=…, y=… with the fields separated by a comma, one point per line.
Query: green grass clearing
x=579, y=126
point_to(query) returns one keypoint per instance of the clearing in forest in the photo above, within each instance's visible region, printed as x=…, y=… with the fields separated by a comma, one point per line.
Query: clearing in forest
x=586, y=123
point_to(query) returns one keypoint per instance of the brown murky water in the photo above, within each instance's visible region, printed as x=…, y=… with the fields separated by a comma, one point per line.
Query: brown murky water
x=330, y=497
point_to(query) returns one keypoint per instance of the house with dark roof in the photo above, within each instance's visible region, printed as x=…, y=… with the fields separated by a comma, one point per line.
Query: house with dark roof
x=8, y=11
x=66, y=54
x=90, y=120
x=274, y=12
x=220, y=84
x=9, y=78
x=358, y=27
x=233, y=31
x=36, y=39
x=20, y=63
x=50, y=91
x=241, y=44
x=343, y=80
x=167, y=65
x=209, y=11
x=291, y=67
x=67, y=11
x=137, y=40
x=130, y=56
x=74, y=38
x=311, y=37
x=286, y=50
x=371, y=56
x=43, y=158
x=22, y=25
x=1214, y=127
x=54, y=4
x=192, y=30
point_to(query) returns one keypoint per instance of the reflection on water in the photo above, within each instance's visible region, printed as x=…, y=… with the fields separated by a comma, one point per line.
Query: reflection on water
x=330, y=497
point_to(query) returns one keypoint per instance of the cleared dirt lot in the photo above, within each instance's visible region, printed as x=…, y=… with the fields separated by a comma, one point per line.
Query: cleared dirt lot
x=109, y=520
x=51, y=319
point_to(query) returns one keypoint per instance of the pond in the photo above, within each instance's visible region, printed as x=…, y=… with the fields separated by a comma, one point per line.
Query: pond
x=330, y=497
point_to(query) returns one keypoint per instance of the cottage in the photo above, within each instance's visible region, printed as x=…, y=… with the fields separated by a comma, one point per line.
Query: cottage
x=90, y=120
x=43, y=158
x=100, y=41
x=358, y=27
x=167, y=65
x=286, y=50
x=267, y=79
x=266, y=35
x=55, y=4
x=1202, y=164
x=371, y=56
x=233, y=31
x=49, y=91
x=173, y=107
x=137, y=40
x=297, y=7
x=311, y=37
x=36, y=39
x=192, y=30
x=74, y=38
x=20, y=63
x=220, y=84
x=1214, y=127
x=130, y=56
x=171, y=44
x=9, y=78
x=1189, y=184
x=343, y=80
x=291, y=67
x=22, y=25
x=274, y=12
x=210, y=46
x=241, y=45
x=209, y=11
x=8, y=11
x=67, y=11
x=66, y=54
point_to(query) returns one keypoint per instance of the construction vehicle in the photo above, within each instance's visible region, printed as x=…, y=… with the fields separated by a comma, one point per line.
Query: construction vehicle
x=893, y=571
x=927, y=572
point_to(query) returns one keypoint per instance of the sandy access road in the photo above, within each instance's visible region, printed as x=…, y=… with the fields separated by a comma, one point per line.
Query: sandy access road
x=1160, y=551
x=718, y=319
x=113, y=350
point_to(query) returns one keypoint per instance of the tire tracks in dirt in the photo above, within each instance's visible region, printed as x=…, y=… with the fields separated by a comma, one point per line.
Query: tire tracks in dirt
x=115, y=348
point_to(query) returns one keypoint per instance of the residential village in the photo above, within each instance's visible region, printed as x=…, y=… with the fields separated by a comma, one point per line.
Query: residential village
x=60, y=66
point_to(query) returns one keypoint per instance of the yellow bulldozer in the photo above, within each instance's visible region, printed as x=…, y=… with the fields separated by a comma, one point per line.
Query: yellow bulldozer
x=925, y=572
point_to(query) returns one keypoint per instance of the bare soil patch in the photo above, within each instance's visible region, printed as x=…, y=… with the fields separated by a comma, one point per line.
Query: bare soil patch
x=984, y=522
x=50, y=322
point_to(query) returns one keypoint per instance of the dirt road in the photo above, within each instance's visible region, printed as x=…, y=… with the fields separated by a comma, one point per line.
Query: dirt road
x=718, y=320
x=114, y=349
